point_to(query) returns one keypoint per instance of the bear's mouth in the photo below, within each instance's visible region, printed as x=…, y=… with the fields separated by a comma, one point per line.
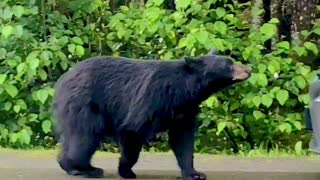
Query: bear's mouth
x=240, y=72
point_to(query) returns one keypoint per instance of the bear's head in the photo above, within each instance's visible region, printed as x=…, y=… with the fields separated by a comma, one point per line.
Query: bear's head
x=214, y=69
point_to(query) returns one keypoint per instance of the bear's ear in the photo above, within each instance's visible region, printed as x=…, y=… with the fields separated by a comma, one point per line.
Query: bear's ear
x=213, y=52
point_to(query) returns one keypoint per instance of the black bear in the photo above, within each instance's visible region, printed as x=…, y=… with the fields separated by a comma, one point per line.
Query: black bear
x=132, y=100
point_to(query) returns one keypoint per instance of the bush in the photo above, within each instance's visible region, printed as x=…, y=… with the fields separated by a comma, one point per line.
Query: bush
x=266, y=111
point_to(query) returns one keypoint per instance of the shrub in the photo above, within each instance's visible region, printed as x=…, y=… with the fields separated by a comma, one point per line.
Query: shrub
x=266, y=111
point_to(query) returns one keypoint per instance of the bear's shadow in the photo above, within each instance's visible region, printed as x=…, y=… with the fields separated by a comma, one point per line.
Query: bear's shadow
x=151, y=175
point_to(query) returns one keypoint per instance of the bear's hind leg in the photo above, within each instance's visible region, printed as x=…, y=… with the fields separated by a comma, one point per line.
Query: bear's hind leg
x=82, y=133
x=76, y=160
x=130, y=145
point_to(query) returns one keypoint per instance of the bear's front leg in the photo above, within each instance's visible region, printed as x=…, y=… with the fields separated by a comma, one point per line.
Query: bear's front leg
x=130, y=146
x=181, y=140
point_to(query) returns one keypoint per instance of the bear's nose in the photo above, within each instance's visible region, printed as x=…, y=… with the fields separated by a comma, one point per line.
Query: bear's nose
x=241, y=72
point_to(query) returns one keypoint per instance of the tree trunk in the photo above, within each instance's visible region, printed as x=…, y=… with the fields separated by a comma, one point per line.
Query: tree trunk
x=257, y=14
x=275, y=12
x=303, y=16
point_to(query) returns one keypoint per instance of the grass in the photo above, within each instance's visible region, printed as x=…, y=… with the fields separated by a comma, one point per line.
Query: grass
x=276, y=153
x=259, y=153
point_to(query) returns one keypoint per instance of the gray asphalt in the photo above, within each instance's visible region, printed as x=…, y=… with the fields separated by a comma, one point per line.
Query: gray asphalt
x=23, y=167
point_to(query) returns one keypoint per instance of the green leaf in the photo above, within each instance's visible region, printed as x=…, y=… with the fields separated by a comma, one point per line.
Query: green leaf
x=51, y=91
x=298, y=147
x=210, y=102
x=2, y=78
x=158, y=2
x=21, y=68
x=299, y=50
x=7, y=13
x=284, y=45
x=262, y=80
x=316, y=31
x=298, y=125
x=24, y=137
x=220, y=12
x=62, y=56
x=7, y=31
x=45, y=55
x=183, y=42
x=203, y=36
x=288, y=128
x=274, y=21
x=269, y=30
x=33, y=118
x=282, y=96
x=63, y=65
x=34, y=63
x=304, y=98
x=43, y=74
x=12, y=63
x=266, y=100
x=274, y=90
x=247, y=52
x=254, y=78
x=18, y=10
x=31, y=56
x=258, y=115
x=206, y=122
x=34, y=10
x=235, y=105
x=18, y=31
x=217, y=43
x=11, y=90
x=4, y=133
x=79, y=50
x=220, y=27
x=46, y=126
x=305, y=33
x=14, y=137
x=312, y=47
x=300, y=82
x=262, y=68
x=256, y=101
x=168, y=55
x=183, y=4
x=196, y=8
x=152, y=14
x=274, y=66
x=3, y=53
x=285, y=127
x=42, y=95
x=21, y=122
x=64, y=40
x=303, y=70
x=221, y=126
x=271, y=68
x=22, y=104
x=213, y=1
x=72, y=48
x=16, y=108
x=7, y=106
x=77, y=40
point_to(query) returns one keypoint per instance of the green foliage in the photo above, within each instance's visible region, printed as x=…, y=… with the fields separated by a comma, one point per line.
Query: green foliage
x=265, y=111
x=32, y=59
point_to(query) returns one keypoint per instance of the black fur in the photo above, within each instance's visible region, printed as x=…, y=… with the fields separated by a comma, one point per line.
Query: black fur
x=132, y=100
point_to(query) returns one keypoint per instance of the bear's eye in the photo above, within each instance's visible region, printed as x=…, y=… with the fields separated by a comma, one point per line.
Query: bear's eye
x=229, y=62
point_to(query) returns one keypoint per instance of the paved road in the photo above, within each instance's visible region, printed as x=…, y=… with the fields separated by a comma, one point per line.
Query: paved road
x=24, y=167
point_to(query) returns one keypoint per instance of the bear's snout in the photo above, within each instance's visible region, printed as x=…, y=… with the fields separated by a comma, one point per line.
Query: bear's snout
x=240, y=72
